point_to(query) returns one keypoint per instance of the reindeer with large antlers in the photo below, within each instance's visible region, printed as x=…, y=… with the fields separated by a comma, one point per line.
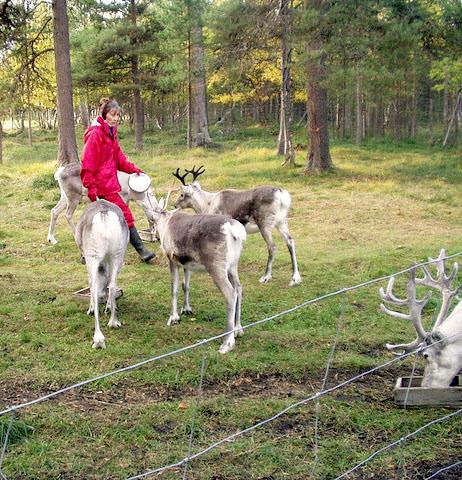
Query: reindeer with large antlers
x=260, y=209
x=443, y=352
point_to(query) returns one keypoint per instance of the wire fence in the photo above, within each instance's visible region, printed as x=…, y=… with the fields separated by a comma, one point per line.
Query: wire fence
x=444, y=469
x=12, y=410
x=292, y=406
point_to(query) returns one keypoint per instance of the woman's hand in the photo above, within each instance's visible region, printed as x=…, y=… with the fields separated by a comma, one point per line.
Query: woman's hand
x=92, y=194
x=138, y=171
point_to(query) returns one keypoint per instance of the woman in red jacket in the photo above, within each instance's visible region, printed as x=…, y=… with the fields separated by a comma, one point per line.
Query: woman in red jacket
x=101, y=158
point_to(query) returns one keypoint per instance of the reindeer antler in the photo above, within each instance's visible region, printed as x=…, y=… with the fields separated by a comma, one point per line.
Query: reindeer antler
x=180, y=178
x=415, y=310
x=442, y=282
x=171, y=189
x=195, y=172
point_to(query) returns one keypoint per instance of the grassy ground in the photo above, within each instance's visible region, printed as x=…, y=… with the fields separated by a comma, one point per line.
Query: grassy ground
x=382, y=208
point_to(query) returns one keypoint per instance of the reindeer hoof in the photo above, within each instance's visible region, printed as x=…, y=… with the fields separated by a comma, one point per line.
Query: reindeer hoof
x=98, y=343
x=296, y=279
x=114, y=324
x=186, y=311
x=265, y=278
x=52, y=240
x=90, y=311
x=226, y=347
x=173, y=320
x=239, y=333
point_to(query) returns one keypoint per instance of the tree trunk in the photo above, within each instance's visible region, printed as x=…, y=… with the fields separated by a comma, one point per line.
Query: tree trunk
x=285, y=146
x=137, y=102
x=452, y=119
x=372, y=121
x=380, y=127
x=67, y=145
x=26, y=60
x=198, y=95
x=359, y=107
x=340, y=117
x=446, y=99
x=398, y=116
x=190, y=120
x=29, y=110
x=84, y=116
x=318, y=157
x=456, y=121
x=1, y=142
x=430, y=117
x=414, y=105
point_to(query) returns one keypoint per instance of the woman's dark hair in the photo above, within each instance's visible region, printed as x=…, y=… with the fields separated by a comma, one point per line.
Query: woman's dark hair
x=106, y=105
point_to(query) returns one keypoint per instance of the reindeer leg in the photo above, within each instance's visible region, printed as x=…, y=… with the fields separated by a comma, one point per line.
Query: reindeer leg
x=187, y=310
x=91, y=307
x=230, y=294
x=268, y=237
x=284, y=231
x=70, y=209
x=175, y=274
x=234, y=279
x=114, y=270
x=55, y=212
x=98, y=337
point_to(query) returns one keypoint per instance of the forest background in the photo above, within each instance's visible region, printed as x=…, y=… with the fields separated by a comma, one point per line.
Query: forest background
x=351, y=69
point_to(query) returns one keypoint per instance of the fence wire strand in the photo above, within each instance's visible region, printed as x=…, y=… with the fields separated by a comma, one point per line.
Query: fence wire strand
x=444, y=469
x=196, y=408
x=402, y=458
x=199, y=343
x=398, y=442
x=330, y=359
x=5, y=440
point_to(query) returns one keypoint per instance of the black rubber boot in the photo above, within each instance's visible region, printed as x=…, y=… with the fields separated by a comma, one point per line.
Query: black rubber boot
x=143, y=252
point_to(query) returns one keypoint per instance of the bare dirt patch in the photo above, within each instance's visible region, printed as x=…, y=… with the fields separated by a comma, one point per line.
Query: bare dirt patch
x=376, y=388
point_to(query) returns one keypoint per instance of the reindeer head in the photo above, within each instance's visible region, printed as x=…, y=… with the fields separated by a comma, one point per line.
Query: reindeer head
x=159, y=215
x=188, y=191
x=443, y=344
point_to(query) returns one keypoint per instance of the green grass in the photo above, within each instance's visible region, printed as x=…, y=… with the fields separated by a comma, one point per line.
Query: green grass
x=383, y=207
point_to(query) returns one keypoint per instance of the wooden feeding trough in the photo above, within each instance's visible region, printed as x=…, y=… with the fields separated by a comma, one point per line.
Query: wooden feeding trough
x=411, y=393
x=84, y=294
x=147, y=235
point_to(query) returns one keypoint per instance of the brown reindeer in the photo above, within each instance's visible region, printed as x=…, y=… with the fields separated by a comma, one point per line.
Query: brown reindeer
x=204, y=242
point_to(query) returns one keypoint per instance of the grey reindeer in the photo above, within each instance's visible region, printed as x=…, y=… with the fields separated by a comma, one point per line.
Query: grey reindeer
x=260, y=209
x=204, y=242
x=72, y=192
x=102, y=236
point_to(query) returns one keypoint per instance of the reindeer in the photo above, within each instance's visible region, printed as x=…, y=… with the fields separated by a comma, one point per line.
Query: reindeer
x=260, y=209
x=72, y=191
x=204, y=242
x=102, y=236
x=443, y=352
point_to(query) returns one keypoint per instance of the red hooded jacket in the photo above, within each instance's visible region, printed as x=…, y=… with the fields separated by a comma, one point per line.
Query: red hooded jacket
x=101, y=158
